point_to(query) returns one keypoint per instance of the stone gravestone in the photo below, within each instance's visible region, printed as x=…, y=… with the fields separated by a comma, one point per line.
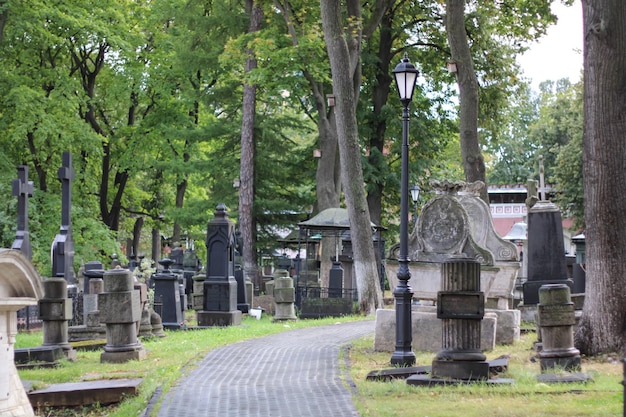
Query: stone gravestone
x=546, y=251
x=63, y=244
x=167, y=292
x=456, y=223
x=560, y=361
x=91, y=329
x=55, y=310
x=22, y=189
x=220, y=286
x=120, y=310
x=20, y=286
x=460, y=307
x=284, y=296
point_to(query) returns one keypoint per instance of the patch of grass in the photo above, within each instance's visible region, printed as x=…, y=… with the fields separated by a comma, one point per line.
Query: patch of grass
x=168, y=359
x=525, y=397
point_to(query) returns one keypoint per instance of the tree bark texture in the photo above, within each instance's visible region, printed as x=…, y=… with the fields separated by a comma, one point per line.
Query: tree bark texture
x=379, y=123
x=343, y=68
x=473, y=161
x=603, y=322
x=246, y=223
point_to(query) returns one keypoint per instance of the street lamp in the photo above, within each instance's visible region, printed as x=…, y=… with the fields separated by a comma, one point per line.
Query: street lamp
x=415, y=196
x=406, y=75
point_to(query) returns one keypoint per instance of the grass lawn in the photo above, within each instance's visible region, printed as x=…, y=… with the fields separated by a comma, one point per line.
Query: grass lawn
x=169, y=357
x=524, y=398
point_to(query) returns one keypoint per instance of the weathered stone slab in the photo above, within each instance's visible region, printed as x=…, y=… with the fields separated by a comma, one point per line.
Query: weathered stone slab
x=39, y=354
x=426, y=330
x=84, y=393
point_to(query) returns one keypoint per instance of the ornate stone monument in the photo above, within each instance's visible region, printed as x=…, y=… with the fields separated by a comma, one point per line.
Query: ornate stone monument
x=20, y=286
x=220, y=286
x=457, y=223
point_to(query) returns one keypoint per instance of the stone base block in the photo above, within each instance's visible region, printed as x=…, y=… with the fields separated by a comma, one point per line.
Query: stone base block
x=569, y=364
x=527, y=312
x=466, y=370
x=38, y=354
x=426, y=380
x=564, y=378
x=285, y=311
x=426, y=331
x=508, y=329
x=219, y=318
x=80, y=333
x=124, y=356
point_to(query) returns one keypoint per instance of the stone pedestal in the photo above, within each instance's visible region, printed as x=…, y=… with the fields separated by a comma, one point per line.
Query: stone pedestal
x=197, y=296
x=556, y=322
x=167, y=292
x=460, y=307
x=284, y=296
x=55, y=311
x=120, y=310
x=220, y=303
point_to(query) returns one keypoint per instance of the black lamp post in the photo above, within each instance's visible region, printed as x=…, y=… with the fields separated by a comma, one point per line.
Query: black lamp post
x=415, y=196
x=406, y=76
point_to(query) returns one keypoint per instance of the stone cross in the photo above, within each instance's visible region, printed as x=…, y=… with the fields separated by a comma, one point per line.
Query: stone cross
x=22, y=189
x=542, y=184
x=63, y=245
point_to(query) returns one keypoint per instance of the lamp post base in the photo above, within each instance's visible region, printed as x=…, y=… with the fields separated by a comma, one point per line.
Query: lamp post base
x=403, y=355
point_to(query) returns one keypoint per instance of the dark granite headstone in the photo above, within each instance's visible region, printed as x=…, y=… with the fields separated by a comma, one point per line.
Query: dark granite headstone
x=220, y=286
x=167, y=292
x=63, y=245
x=546, y=252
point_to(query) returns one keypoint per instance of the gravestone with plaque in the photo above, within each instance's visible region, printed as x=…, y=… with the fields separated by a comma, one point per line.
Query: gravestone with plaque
x=220, y=286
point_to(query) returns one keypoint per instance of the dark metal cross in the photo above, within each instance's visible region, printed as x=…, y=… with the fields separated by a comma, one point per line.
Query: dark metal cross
x=22, y=189
x=63, y=245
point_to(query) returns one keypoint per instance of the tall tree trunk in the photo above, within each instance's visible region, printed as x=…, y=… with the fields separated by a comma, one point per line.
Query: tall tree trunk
x=379, y=124
x=603, y=322
x=327, y=177
x=344, y=63
x=181, y=187
x=473, y=161
x=246, y=223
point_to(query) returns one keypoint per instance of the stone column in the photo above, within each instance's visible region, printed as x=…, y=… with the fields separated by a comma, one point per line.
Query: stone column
x=556, y=321
x=284, y=296
x=461, y=307
x=55, y=310
x=120, y=310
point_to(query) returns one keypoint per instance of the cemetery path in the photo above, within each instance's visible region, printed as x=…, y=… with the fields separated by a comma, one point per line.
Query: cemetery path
x=291, y=374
